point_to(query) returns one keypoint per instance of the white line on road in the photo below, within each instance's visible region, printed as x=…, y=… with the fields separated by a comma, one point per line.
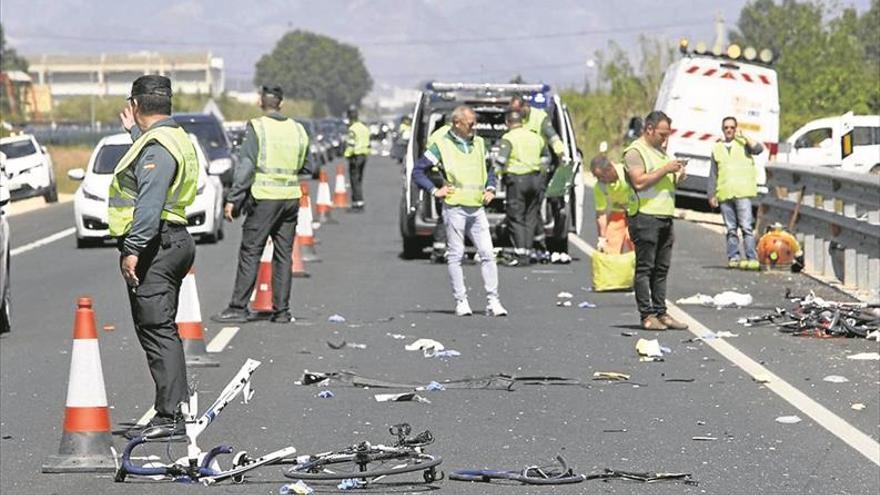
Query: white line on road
x=146, y=417
x=222, y=339
x=42, y=242
x=838, y=426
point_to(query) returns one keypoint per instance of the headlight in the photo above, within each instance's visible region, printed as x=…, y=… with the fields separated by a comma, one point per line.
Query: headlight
x=93, y=197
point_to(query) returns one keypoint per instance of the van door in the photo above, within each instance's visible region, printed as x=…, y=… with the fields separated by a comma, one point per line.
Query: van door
x=815, y=147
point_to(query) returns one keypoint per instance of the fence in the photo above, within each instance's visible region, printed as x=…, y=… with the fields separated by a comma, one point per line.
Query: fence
x=836, y=218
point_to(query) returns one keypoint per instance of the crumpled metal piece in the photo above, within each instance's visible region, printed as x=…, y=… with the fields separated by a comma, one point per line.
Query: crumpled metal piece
x=497, y=381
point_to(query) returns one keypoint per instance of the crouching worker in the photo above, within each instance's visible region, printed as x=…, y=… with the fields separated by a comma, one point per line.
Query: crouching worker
x=611, y=196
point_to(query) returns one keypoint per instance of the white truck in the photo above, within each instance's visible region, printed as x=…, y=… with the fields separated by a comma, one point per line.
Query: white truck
x=850, y=142
x=699, y=90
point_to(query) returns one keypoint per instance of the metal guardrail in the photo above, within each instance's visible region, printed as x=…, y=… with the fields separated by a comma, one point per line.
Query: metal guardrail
x=835, y=215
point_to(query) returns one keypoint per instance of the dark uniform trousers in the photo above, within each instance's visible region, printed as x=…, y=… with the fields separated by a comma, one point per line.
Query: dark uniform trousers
x=269, y=217
x=161, y=267
x=524, y=195
x=653, y=237
x=356, y=166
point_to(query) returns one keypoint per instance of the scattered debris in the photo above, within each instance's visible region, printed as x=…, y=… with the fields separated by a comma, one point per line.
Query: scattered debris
x=643, y=477
x=680, y=380
x=448, y=353
x=649, y=350
x=396, y=336
x=564, y=304
x=326, y=394
x=434, y=387
x=704, y=439
x=564, y=295
x=835, y=379
x=351, y=484
x=353, y=345
x=427, y=346
x=497, y=381
x=298, y=488
x=858, y=406
x=788, y=420
x=761, y=378
x=404, y=397
x=815, y=317
x=336, y=319
x=109, y=328
x=865, y=356
x=586, y=305
x=629, y=334
x=618, y=430
x=726, y=299
x=875, y=334
x=610, y=375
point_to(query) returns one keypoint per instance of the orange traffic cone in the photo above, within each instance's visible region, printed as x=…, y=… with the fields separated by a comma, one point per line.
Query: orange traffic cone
x=85, y=444
x=304, y=232
x=189, y=324
x=323, y=203
x=261, y=301
x=340, y=193
x=299, y=268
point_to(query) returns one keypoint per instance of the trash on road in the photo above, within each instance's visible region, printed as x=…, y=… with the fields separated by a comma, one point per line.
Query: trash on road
x=704, y=439
x=565, y=304
x=109, y=328
x=610, y=375
x=336, y=319
x=326, y=394
x=649, y=350
x=351, y=484
x=726, y=299
x=586, y=305
x=609, y=474
x=298, y=488
x=427, y=346
x=404, y=397
x=788, y=420
x=498, y=381
x=564, y=295
x=447, y=353
x=680, y=380
x=396, y=336
x=875, y=334
x=629, y=334
x=815, y=317
x=835, y=379
x=434, y=387
x=865, y=356
x=858, y=406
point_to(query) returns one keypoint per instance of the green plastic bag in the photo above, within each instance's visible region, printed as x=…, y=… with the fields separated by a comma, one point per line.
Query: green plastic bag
x=560, y=182
x=613, y=271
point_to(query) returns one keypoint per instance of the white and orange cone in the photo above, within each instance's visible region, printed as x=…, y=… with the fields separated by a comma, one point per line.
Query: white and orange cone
x=324, y=203
x=189, y=324
x=340, y=193
x=261, y=300
x=304, y=232
x=86, y=445
x=299, y=268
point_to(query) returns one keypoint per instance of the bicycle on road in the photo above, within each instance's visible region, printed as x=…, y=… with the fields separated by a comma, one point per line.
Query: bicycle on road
x=555, y=474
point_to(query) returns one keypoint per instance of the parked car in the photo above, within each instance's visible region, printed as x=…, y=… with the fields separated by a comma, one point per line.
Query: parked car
x=28, y=168
x=418, y=214
x=208, y=128
x=318, y=152
x=204, y=216
x=5, y=294
x=850, y=142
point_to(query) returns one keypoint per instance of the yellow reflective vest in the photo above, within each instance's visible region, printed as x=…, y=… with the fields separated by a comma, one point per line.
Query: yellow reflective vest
x=283, y=145
x=737, y=175
x=526, y=148
x=466, y=172
x=659, y=199
x=358, y=140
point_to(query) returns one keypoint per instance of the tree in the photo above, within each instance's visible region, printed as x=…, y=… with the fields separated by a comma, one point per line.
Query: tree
x=310, y=66
x=9, y=58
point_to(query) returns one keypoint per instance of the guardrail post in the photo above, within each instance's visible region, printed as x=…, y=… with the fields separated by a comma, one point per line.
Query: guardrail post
x=862, y=269
x=874, y=278
x=827, y=261
x=809, y=244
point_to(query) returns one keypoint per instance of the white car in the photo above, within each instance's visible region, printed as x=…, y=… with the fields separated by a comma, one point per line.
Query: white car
x=205, y=215
x=29, y=168
x=823, y=143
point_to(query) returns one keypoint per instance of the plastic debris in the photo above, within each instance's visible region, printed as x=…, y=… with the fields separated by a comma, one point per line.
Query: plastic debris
x=610, y=375
x=704, y=439
x=726, y=334
x=564, y=304
x=586, y=305
x=726, y=299
x=865, y=356
x=788, y=420
x=336, y=319
x=649, y=350
x=435, y=387
x=665, y=350
x=298, y=488
x=404, y=397
x=326, y=394
x=427, y=346
x=875, y=334
x=835, y=379
x=396, y=336
x=564, y=295
x=858, y=406
x=352, y=345
x=629, y=334
x=351, y=484
x=448, y=353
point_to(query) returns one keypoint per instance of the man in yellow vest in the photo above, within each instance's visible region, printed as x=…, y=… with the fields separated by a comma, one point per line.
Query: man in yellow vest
x=357, y=149
x=469, y=185
x=733, y=182
x=266, y=188
x=152, y=185
x=611, y=197
x=653, y=176
x=519, y=155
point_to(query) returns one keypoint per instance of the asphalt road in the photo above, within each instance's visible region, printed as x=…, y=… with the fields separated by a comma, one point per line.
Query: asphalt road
x=646, y=424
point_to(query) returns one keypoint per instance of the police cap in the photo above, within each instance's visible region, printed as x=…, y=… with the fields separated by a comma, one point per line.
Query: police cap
x=275, y=91
x=151, y=84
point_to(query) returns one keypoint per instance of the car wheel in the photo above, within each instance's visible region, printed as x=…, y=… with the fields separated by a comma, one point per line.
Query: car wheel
x=51, y=195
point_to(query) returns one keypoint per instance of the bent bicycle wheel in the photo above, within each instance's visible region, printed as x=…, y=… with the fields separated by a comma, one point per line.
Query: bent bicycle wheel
x=488, y=475
x=366, y=465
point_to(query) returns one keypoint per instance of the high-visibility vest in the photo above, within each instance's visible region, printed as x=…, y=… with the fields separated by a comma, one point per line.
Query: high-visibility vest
x=283, y=146
x=526, y=148
x=535, y=121
x=358, y=141
x=616, y=196
x=737, y=176
x=464, y=171
x=659, y=199
x=437, y=134
x=124, y=187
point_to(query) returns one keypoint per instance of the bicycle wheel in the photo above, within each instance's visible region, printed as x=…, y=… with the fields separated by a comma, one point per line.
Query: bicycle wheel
x=364, y=465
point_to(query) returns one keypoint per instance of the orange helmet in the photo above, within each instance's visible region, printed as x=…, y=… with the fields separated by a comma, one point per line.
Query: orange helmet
x=778, y=248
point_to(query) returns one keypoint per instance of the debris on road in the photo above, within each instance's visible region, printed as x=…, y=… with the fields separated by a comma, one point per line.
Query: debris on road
x=704, y=439
x=813, y=316
x=396, y=336
x=427, y=346
x=298, y=488
x=610, y=474
x=875, y=335
x=336, y=319
x=564, y=295
x=835, y=379
x=404, y=397
x=351, y=484
x=649, y=350
x=434, y=387
x=326, y=394
x=610, y=375
x=726, y=299
x=629, y=334
x=497, y=381
x=565, y=304
x=586, y=305
x=865, y=356
x=447, y=353
x=680, y=380
x=858, y=406
x=109, y=328
x=352, y=345
x=788, y=420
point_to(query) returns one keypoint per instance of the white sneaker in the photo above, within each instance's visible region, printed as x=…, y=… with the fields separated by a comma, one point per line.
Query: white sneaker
x=554, y=257
x=564, y=258
x=462, y=308
x=494, y=308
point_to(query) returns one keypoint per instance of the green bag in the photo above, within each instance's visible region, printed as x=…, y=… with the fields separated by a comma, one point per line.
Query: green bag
x=560, y=182
x=613, y=271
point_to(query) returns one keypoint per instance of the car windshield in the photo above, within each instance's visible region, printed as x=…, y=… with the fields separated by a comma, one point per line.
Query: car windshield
x=18, y=149
x=209, y=134
x=108, y=157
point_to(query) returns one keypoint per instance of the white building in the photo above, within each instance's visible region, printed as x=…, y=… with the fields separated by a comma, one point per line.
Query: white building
x=110, y=74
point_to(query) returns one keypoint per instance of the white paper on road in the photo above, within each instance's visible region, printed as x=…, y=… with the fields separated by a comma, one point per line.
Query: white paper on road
x=865, y=356
x=724, y=299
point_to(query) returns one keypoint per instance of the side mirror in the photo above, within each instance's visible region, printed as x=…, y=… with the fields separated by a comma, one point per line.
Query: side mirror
x=76, y=174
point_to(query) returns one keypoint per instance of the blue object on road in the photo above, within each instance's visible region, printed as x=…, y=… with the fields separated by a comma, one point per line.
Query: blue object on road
x=350, y=484
x=586, y=305
x=326, y=394
x=435, y=387
x=336, y=319
x=665, y=350
x=298, y=488
x=446, y=353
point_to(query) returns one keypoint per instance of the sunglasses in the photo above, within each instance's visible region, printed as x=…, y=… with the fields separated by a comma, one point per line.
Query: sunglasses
x=729, y=127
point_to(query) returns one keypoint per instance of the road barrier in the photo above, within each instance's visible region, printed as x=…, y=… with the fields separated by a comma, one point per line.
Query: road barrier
x=836, y=217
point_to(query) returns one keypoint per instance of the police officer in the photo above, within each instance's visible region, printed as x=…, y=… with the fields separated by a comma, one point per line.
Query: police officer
x=357, y=148
x=519, y=155
x=152, y=185
x=653, y=176
x=266, y=189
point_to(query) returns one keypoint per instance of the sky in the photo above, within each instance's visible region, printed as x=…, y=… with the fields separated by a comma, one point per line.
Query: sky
x=403, y=42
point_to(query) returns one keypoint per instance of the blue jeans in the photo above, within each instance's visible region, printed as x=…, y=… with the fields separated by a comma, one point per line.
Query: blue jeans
x=471, y=222
x=737, y=214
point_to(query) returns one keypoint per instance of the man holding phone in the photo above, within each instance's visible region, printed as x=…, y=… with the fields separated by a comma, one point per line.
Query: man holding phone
x=468, y=186
x=733, y=182
x=653, y=177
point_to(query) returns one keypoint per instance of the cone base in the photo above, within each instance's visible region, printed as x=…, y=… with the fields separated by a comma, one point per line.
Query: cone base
x=79, y=464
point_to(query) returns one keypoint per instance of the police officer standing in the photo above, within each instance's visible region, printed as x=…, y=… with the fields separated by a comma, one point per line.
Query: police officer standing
x=266, y=189
x=519, y=155
x=357, y=148
x=152, y=185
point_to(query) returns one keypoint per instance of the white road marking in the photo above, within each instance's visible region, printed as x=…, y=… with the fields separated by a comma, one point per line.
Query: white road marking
x=42, y=242
x=838, y=426
x=146, y=417
x=222, y=339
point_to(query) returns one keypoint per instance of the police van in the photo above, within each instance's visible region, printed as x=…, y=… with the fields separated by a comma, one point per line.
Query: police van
x=703, y=87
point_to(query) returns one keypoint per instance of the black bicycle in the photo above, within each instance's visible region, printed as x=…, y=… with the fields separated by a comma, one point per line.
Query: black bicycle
x=369, y=463
x=555, y=474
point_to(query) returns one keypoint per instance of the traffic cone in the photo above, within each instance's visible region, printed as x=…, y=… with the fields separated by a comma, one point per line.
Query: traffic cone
x=304, y=232
x=299, y=268
x=261, y=301
x=323, y=204
x=189, y=324
x=340, y=193
x=86, y=445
